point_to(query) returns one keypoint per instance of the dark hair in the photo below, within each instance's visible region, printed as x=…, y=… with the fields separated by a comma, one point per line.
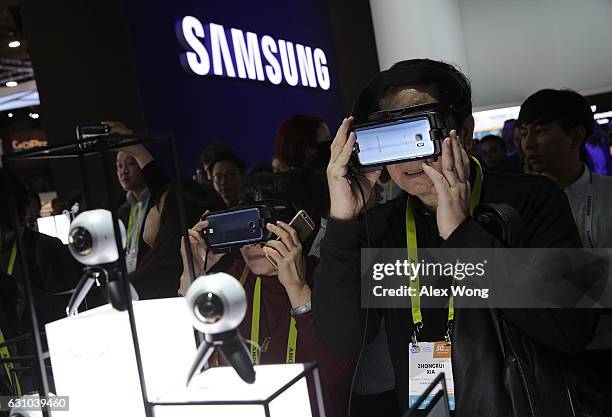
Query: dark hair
x=295, y=136
x=313, y=178
x=212, y=151
x=494, y=139
x=228, y=156
x=444, y=81
x=158, y=273
x=271, y=186
x=284, y=186
x=567, y=107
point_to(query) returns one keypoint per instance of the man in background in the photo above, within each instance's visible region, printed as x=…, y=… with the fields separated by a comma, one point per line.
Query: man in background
x=555, y=125
x=227, y=172
x=210, y=154
x=134, y=211
x=493, y=151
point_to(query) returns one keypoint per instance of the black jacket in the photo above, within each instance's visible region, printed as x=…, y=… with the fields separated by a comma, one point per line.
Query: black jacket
x=508, y=362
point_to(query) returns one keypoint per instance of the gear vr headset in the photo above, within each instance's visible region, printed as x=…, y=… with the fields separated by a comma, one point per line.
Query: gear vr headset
x=411, y=133
x=244, y=225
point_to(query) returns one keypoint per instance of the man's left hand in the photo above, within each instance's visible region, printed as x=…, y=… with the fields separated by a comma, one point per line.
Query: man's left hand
x=452, y=185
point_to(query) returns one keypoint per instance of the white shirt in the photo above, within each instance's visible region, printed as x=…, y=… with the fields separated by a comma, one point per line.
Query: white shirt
x=600, y=223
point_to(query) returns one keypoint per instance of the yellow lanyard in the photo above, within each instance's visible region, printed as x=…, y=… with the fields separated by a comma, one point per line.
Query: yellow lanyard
x=131, y=232
x=4, y=352
x=255, y=351
x=413, y=257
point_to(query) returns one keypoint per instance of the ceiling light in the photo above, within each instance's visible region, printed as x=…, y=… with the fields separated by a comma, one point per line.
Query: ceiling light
x=34, y=115
x=11, y=83
x=14, y=44
x=10, y=115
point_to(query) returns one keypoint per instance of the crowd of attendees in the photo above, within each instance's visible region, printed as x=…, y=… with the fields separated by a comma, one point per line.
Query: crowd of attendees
x=555, y=136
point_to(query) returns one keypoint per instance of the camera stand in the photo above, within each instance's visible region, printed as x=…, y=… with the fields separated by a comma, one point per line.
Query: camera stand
x=233, y=350
x=113, y=287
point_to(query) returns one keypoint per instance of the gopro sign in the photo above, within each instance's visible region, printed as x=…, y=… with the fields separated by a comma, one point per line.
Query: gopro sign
x=234, y=53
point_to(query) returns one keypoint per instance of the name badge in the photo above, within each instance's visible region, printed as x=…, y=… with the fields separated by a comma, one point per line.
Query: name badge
x=130, y=261
x=426, y=361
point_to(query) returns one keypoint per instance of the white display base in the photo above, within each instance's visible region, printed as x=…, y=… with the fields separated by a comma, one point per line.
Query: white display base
x=223, y=384
x=93, y=358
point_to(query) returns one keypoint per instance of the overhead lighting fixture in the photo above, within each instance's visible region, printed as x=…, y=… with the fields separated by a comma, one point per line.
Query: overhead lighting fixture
x=603, y=121
x=14, y=44
x=11, y=84
x=10, y=115
x=34, y=115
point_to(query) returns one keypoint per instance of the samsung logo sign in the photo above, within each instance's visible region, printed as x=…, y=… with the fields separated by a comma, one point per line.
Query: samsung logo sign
x=211, y=49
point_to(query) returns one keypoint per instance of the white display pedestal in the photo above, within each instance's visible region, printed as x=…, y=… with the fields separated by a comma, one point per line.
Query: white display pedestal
x=219, y=392
x=93, y=360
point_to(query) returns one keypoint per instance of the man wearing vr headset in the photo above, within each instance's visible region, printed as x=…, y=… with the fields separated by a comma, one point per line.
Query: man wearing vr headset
x=491, y=378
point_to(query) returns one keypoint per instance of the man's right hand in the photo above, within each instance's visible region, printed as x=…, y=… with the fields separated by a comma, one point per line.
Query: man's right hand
x=345, y=197
x=139, y=152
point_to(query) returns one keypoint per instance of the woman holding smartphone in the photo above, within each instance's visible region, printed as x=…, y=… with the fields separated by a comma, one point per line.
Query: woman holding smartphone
x=278, y=322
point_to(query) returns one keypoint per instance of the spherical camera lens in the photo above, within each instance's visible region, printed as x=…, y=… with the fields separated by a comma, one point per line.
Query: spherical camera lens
x=81, y=241
x=209, y=308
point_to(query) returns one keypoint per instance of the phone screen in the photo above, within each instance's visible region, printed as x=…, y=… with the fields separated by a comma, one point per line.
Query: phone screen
x=236, y=227
x=406, y=139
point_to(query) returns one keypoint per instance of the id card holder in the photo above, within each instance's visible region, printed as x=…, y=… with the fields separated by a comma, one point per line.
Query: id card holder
x=426, y=360
x=130, y=261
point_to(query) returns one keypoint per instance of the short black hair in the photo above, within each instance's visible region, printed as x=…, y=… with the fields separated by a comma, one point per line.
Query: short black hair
x=228, y=156
x=495, y=139
x=445, y=82
x=567, y=107
x=212, y=152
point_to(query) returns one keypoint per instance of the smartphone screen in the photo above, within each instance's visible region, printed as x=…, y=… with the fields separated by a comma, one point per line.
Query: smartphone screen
x=234, y=228
x=406, y=139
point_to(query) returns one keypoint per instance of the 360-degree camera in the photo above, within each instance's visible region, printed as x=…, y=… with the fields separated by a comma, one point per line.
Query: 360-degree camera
x=92, y=239
x=218, y=305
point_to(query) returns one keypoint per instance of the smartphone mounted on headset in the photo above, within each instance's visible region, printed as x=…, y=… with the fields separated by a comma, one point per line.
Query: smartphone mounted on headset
x=402, y=135
x=245, y=225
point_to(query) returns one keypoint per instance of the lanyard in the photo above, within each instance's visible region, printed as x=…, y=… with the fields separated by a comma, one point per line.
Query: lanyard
x=131, y=238
x=588, y=214
x=11, y=264
x=413, y=257
x=4, y=352
x=255, y=351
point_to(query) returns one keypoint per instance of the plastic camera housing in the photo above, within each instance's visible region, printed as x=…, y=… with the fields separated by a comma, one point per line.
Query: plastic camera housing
x=217, y=303
x=91, y=239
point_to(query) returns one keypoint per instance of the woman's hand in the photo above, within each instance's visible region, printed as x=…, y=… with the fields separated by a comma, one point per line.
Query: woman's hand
x=290, y=262
x=198, y=250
